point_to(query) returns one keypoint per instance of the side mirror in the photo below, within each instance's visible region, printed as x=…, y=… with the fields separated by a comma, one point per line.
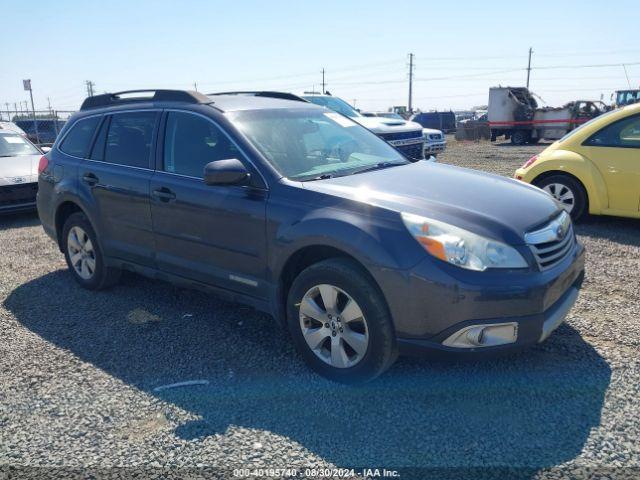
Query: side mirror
x=45, y=149
x=225, y=172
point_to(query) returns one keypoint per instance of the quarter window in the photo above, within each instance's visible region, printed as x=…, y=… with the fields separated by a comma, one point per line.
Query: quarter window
x=191, y=142
x=624, y=133
x=77, y=141
x=129, y=139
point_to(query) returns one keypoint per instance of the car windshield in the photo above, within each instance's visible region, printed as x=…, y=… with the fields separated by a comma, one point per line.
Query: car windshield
x=13, y=145
x=310, y=144
x=335, y=104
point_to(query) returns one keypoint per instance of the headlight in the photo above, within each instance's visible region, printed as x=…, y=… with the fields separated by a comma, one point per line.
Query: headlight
x=461, y=247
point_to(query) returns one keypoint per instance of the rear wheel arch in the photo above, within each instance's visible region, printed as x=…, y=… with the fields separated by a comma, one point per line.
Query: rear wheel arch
x=63, y=212
x=560, y=173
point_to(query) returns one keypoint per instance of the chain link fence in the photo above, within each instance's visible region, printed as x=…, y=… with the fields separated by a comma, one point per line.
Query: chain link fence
x=41, y=130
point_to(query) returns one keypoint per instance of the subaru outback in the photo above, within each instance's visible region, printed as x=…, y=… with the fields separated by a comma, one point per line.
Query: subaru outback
x=362, y=253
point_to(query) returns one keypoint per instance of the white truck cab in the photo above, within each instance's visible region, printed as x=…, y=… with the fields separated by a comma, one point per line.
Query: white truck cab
x=405, y=136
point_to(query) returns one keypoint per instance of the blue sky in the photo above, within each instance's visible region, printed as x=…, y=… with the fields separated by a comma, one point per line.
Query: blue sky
x=461, y=48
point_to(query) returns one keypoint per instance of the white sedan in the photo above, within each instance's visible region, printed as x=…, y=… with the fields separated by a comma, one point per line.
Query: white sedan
x=18, y=172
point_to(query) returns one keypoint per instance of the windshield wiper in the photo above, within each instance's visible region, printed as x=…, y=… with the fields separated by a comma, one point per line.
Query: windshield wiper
x=324, y=176
x=377, y=166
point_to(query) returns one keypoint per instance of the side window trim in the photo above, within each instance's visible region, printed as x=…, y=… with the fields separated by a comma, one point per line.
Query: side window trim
x=160, y=156
x=71, y=127
x=105, y=122
x=587, y=142
x=154, y=138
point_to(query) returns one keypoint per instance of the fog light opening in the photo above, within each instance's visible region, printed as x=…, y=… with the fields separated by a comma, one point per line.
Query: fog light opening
x=476, y=335
x=479, y=336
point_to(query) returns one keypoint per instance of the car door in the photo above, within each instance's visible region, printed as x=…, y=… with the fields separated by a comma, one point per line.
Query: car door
x=211, y=234
x=615, y=150
x=116, y=177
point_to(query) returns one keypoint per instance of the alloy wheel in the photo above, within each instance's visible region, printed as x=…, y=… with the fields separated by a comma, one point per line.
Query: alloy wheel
x=563, y=194
x=334, y=326
x=81, y=253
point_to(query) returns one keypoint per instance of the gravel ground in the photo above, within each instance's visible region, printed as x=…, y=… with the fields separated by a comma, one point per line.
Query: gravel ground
x=79, y=373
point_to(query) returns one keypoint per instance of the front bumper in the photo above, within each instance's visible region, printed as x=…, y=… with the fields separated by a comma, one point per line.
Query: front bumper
x=437, y=301
x=434, y=147
x=18, y=197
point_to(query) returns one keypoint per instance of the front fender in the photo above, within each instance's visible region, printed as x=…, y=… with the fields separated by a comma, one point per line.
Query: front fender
x=580, y=167
x=379, y=241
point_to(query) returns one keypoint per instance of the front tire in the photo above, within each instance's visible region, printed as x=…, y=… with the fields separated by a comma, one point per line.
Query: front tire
x=568, y=191
x=340, y=322
x=84, y=255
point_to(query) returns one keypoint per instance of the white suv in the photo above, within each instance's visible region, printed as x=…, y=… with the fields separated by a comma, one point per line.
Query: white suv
x=405, y=136
x=434, y=140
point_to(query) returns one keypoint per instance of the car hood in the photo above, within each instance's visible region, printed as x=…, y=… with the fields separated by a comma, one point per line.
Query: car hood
x=495, y=207
x=20, y=169
x=388, y=125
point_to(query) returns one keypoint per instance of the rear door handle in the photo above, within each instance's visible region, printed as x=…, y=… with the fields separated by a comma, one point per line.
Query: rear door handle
x=163, y=194
x=90, y=179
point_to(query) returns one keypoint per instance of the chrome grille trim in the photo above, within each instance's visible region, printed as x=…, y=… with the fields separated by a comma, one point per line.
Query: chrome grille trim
x=552, y=243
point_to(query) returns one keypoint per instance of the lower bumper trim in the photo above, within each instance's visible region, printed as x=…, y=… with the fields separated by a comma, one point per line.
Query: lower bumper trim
x=560, y=312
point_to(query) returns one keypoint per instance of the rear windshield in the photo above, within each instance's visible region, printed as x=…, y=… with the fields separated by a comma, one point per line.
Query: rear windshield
x=13, y=145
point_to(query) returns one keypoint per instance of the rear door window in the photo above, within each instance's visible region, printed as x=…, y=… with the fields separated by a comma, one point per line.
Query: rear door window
x=77, y=141
x=129, y=139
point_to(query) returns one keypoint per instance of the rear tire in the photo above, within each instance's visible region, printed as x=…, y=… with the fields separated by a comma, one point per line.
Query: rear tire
x=568, y=191
x=84, y=255
x=334, y=340
x=520, y=137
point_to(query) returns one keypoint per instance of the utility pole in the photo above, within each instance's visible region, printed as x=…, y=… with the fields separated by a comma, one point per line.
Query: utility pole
x=323, y=84
x=27, y=86
x=410, y=104
x=90, y=86
x=195, y=86
x=529, y=66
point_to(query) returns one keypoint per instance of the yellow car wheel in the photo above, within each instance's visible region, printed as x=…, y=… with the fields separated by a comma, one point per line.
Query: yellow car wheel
x=567, y=191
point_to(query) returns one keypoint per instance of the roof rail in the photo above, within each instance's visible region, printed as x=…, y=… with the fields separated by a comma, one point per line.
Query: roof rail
x=128, y=96
x=264, y=93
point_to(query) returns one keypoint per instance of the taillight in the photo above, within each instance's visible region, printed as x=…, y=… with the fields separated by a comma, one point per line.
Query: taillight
x=530, y=162
x=42, y=164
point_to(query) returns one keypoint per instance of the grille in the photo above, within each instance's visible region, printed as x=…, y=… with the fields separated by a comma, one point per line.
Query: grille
x=552, y=243
x=414, y=151
x=401, y=135
x=18, y=194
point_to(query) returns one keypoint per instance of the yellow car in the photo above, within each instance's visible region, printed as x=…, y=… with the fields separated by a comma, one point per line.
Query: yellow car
x=594, y=168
